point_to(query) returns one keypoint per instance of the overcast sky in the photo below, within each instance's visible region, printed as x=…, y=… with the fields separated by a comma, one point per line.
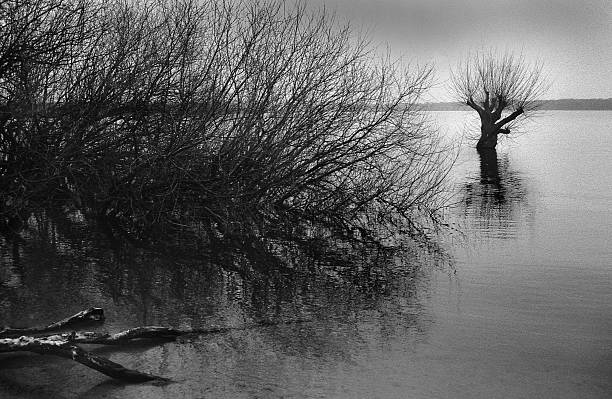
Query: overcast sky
x=573, y=38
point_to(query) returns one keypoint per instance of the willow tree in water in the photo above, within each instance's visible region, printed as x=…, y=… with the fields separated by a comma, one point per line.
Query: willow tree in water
x=502, y=88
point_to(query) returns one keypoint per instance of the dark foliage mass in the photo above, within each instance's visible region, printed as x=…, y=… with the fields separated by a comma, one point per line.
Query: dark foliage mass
x=213, y=119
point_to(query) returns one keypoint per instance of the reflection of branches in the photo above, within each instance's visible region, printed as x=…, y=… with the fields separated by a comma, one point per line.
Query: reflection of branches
x=494, y=199
x=328, y=281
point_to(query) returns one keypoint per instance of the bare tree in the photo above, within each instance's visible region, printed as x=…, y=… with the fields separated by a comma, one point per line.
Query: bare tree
x=502, y=88
x=223, y=116
x=38, y=40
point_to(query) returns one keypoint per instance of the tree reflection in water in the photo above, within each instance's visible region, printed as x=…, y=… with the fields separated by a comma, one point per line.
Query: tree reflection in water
x=64, y=264
x=496, y=201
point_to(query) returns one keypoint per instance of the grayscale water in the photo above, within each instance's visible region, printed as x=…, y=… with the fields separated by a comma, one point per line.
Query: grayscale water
x=522, y=310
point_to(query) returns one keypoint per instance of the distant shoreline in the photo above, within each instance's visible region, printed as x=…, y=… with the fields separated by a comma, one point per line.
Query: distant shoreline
x=567, y=104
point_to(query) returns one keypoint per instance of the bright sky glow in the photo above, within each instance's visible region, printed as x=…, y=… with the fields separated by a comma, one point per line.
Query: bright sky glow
x=572, y=38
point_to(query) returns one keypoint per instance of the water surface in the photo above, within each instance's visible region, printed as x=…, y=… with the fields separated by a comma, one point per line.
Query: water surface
x=523, y=309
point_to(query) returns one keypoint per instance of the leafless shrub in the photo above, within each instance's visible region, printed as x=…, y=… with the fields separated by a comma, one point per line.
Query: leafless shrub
x=226, y=118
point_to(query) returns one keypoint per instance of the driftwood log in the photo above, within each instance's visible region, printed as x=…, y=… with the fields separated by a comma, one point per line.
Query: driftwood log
x=66, y=344
x=84, y=316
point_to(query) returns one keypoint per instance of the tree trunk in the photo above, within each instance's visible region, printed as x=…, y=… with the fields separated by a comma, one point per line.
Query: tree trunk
x=488, y=135
x=489, y=166
x=490, y=123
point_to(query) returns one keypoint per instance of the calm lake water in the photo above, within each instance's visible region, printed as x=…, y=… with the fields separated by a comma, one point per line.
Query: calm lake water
x=522, y=307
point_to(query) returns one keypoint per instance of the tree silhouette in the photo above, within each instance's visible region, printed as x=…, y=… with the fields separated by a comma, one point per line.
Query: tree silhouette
x=501, y=88
x=216, y=118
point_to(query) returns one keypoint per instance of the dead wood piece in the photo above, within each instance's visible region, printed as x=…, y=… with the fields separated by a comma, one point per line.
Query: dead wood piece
x=123, y=337
x=156, y=333
x=84, y=316
x=58, y=347
x=65, y=344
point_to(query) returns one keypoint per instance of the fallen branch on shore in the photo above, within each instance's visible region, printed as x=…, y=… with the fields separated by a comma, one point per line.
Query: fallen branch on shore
x=66, y=344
